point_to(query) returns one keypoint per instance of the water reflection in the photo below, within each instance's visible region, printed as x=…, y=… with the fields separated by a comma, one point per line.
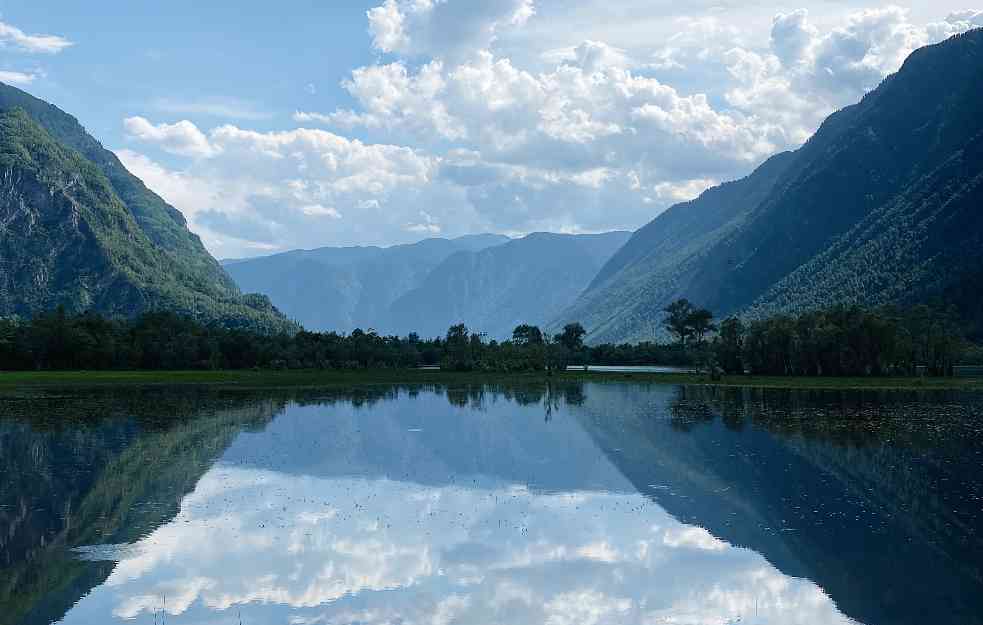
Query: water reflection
x=604, y=503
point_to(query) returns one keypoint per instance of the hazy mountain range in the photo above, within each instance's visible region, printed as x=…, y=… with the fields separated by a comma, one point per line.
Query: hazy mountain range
x=341, y=288
x=881, y=205
x=490, y=282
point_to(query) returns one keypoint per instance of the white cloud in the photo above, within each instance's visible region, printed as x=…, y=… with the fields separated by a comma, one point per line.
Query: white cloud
x=17, y=78
x=316, y=210
x=426, y=226
x=443, y=28
x=41, y=44
x=248, y=190
x=392, y=97
x=793, y=37
x=491, y=116
x=182, y=138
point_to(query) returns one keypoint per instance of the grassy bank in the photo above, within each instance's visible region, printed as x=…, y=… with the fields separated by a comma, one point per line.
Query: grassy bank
x=328, y=378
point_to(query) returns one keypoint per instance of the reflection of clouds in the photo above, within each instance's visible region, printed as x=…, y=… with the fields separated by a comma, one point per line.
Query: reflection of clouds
x=692, y=536
x=306, y=550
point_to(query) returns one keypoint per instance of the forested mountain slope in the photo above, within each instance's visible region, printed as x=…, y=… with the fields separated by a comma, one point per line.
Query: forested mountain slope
x=877, y=207
x=78, y=230
x=528, y=280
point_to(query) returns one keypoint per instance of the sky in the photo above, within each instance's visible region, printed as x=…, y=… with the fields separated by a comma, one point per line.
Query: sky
x=274, y=126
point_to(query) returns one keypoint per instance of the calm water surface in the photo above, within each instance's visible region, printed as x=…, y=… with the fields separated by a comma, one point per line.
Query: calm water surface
x=601, y=503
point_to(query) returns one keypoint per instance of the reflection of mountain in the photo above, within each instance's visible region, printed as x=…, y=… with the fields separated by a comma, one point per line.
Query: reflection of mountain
x=435, y=506
x=866, y=496
x=450, y=436
x=393, y=502
x=72, y=479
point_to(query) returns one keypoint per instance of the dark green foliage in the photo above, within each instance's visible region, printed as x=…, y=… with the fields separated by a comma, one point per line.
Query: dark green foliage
x=729, y=346
x=839, y=341
x=83, y=233
x=684, y=321
x=166, y=341
x=844, y=341
x=573, y=336
x=880, y=206
x=526, y=334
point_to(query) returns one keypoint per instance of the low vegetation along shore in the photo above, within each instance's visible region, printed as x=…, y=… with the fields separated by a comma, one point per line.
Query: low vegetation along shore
x=329, y=378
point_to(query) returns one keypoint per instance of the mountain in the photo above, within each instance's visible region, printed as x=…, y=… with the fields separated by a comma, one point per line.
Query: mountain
x=341, y=288
x=879, y=206
x=528, y=280
x=80, y=231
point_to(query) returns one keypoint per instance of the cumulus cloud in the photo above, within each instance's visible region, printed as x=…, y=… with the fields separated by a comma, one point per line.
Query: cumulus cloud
x=391, y=96
x=182, y=138
x=443, y=28
x=555, y=149
x=249, y=191
x=17, y=78
x=806, y=74
x=470, y=126
x=40, y=44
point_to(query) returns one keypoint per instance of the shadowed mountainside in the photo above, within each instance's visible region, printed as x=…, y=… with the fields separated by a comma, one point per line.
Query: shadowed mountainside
x=879, y=206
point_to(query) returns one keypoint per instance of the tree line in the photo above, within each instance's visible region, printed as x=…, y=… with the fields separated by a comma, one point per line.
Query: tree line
x=167, y=341
x=838, y=341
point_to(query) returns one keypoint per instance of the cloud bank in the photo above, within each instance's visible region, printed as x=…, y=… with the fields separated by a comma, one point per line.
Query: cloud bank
x=465, y=124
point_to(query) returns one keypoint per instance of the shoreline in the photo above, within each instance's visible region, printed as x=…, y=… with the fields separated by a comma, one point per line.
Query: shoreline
x=332, y=378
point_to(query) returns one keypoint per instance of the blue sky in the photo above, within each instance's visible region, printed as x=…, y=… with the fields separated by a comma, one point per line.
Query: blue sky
x=298, y=124
x=252, y=61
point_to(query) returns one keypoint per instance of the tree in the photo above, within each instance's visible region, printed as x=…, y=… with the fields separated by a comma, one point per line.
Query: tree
x=458, y=349
x=573, y=336
x=677, y=320
x=730, y=344
x=526, y=335
x=700, y=323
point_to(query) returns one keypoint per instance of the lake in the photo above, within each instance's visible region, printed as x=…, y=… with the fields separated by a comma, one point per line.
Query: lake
x=587, y=503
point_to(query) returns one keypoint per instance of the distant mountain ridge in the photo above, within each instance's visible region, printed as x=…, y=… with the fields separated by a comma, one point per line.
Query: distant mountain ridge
x=78, y=230
x=528, y=280
x=489, y=282
x=880, y=206
x=343, y=288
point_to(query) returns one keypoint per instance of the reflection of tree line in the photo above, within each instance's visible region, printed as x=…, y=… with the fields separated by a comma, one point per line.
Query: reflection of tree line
x=875, y=489
x=550, y=394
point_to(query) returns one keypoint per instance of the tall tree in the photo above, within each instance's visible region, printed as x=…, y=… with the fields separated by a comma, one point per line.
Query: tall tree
x=677, y=320
x=526, y=334
x=572, y=336
x=730, y=344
